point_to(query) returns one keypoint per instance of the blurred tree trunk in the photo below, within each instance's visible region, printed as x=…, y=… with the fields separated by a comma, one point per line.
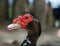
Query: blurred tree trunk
x=20, y=7
x=46, y=18
x=50, y=18
x=39, y=9
x=2, y=10
x=6, y=10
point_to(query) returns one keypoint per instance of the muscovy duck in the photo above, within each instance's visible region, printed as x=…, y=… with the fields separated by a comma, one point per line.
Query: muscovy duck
x=30, y=22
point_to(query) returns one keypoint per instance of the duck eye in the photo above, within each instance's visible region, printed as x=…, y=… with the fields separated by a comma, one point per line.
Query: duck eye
x=26, y=18
x=16, y=20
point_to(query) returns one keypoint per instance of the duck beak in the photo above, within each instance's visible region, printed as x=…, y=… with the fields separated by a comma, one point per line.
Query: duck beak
x=13, y=26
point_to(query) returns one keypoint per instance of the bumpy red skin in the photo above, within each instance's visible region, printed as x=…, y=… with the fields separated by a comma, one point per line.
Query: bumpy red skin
x=23, y=20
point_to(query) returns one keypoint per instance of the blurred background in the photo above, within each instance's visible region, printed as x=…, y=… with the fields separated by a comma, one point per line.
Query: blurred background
x=10, y=9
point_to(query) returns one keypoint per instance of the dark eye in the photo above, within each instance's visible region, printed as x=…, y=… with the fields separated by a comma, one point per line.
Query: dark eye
x=16, y=20
x=26, y=18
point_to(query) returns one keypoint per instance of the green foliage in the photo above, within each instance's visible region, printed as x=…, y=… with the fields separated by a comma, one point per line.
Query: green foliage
x=10, y=12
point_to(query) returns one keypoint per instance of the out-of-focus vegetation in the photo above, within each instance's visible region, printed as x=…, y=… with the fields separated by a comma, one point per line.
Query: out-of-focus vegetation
x=10, y=13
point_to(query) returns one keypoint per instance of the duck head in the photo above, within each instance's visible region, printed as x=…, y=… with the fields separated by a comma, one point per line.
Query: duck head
x=20, y=22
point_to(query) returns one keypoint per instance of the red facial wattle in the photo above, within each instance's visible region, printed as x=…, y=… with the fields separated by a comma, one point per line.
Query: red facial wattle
x=23, y=20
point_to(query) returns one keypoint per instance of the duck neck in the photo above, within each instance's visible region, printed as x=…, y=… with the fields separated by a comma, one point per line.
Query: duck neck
x=34, y=31
x=30, y=40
